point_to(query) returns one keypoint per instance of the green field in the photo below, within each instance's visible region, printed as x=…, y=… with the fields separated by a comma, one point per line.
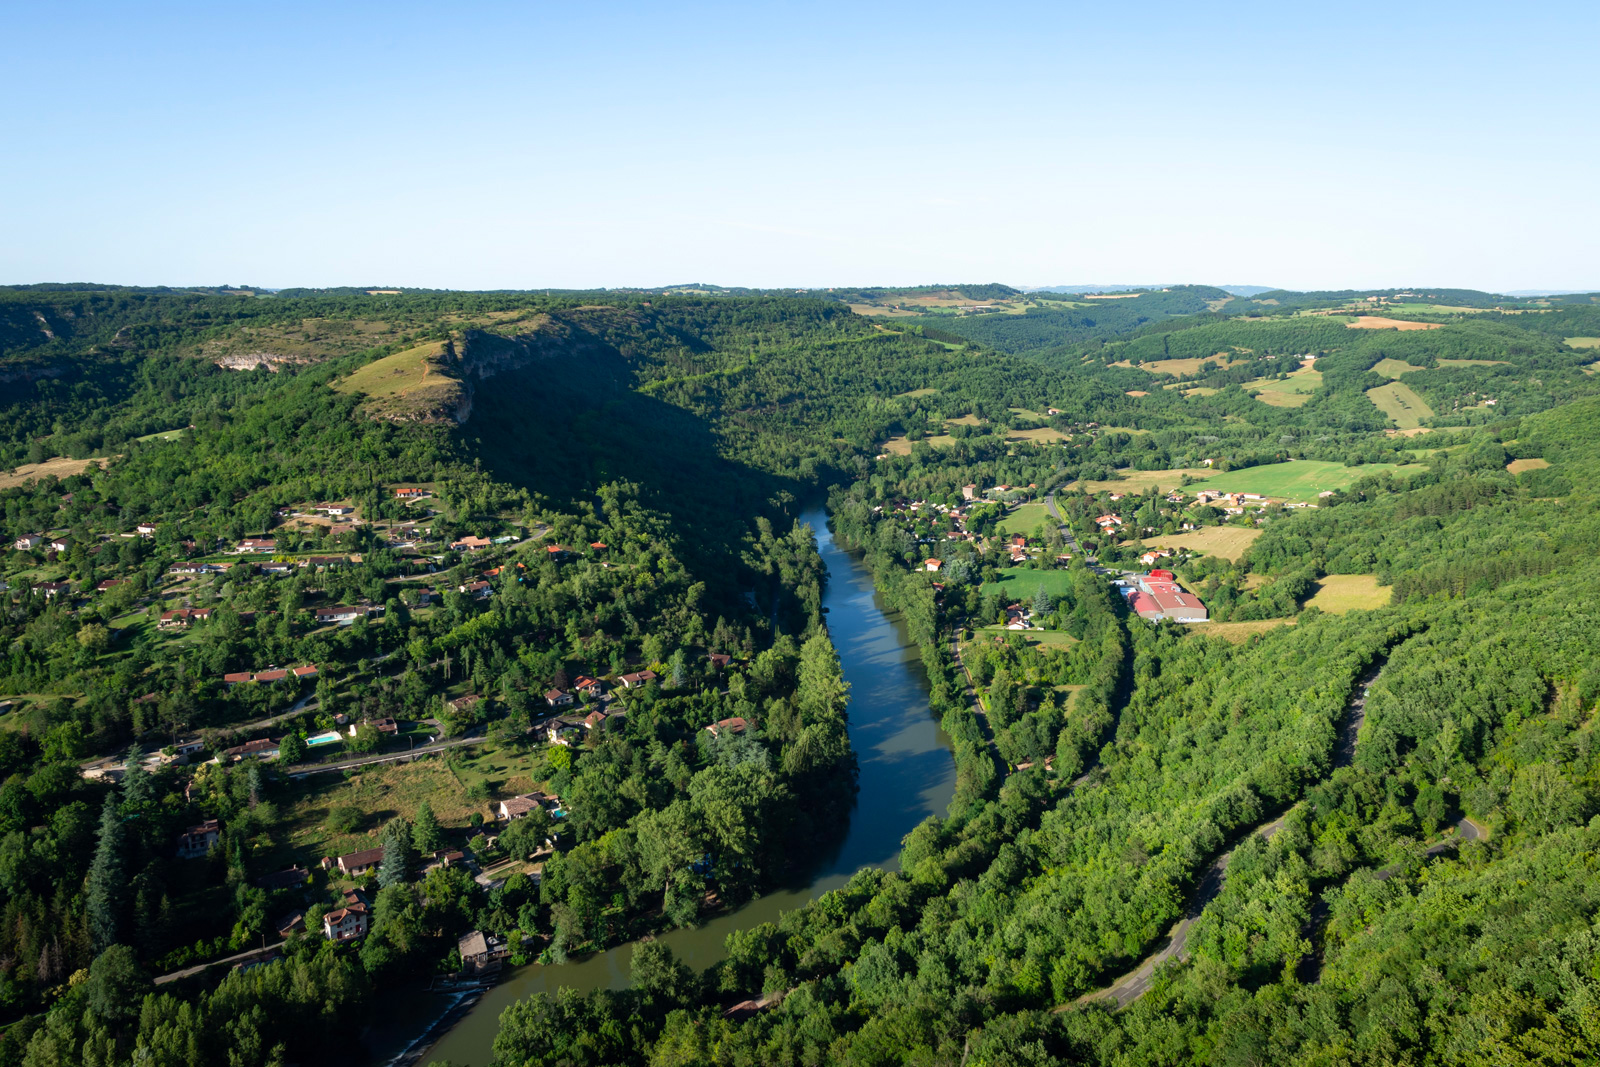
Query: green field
x=1036, y=638
x=165, y=435
x=1026, y=517
x=1393, y=368
x=1401, y=404
x=1288, y=392
x=1472, y=363
x=1583, y=342
x=1298, y=479
x=1019, y=583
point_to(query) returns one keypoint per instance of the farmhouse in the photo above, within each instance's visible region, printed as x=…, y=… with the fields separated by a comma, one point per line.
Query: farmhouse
x=346, y=924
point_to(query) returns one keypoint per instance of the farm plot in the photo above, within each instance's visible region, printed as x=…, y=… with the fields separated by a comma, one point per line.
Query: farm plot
x=1298, y=479
x=1339, y=593
x=1229, y=542
x=1401, y=403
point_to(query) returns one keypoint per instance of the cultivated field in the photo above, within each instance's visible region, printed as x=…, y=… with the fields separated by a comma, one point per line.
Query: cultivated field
x=59, y=467
x=1237, y=633
x=1298, y=479
x=1339, y=593
x=1517, y=466
x=1182, y=367
x=1401, y=403
x=1229, y=542
x=1378, y=322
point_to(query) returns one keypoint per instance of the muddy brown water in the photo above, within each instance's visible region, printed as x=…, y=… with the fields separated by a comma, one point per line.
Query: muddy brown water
x=907, y=774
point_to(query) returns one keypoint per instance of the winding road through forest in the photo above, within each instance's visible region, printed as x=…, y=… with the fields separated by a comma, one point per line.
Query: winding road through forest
x=1135, y=983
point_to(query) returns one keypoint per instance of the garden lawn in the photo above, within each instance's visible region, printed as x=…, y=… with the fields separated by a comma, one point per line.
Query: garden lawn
x=1020, y=583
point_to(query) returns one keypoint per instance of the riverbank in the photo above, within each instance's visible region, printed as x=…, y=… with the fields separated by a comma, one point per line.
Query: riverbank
x=907, y=773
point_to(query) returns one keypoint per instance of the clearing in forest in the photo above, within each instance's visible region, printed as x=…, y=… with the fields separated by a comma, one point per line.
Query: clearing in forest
x=1043, y=434
x=60, y=467
x=414, y=384
x=1378, y=322
x=1298, y=479
x=1583, y=342
x=1237, y=633
x=1517, y=466
x=1288, y=392
x=1472, y=362
x=1401, y=403
x=1392, y=368
x=1229, y=542
x=1339, y=593
x=1183, y=367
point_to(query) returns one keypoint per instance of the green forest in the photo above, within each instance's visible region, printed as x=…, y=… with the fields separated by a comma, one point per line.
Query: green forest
x=245, y=585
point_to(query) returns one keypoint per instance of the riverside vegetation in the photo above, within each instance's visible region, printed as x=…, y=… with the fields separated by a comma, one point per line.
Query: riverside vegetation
x=1098, y=775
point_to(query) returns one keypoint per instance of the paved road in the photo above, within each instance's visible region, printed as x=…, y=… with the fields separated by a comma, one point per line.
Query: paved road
x=241, y=957
x=300, y=770
x=1134, y=984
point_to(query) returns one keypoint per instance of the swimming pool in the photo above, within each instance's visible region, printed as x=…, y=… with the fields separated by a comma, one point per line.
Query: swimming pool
x=324, y=739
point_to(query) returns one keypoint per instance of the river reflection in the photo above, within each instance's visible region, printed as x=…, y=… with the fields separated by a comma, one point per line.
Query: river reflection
x=907, y=773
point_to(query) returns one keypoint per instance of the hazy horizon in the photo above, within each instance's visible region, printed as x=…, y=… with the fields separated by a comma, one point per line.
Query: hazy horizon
x=525, y=147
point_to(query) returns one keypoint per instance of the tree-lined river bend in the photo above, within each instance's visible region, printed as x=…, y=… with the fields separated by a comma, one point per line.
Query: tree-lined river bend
x=907, y=774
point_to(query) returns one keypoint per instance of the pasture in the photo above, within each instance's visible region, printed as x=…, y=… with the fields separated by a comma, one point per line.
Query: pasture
x=1026, y=517
x=1237, y=633
x=1339, y=593
x=395, y=375
x=1288, y=392
x=1392, y=368
x=60, y=467
x=1020, y=583
x=1583, y=342
x=1132, y=481
x=164, y=435
x=1298, y=479
x=1401, y=403
x=1229, y=542
x=1517, y=466
x=1184, y=367
x=1472, y=362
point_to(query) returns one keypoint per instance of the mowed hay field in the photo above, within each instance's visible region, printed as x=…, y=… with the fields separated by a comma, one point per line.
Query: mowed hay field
x=1180, y=367
x=1026, y=517
x=1401, y=403
x=1139, y=481
x=1288, y=392
x=1392, y=368
x=1019, y=583
x=1517, y=466
x=60, y=467
x=1298, y=479
x=1339, y=593
x=1229, y=542
x=1583, y=342
x=1378, y=322
x=1237, y=633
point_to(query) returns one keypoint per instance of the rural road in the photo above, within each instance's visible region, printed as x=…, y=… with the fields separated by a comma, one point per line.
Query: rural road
x=300, y=770
x=197, y=968
x=1134, y=984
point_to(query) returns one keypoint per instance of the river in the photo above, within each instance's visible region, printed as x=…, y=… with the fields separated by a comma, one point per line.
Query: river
x=907, y=774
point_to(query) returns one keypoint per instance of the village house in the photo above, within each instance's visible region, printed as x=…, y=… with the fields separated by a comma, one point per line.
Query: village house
x=517, y=807
x=411, y=494
x=145, y=529
x=256, y=544
x=342, y=614
x=932, y=565
x=181, y=617
x=346, y=924
x=186, y=569
x=322, y=563
x=308, y=671
x=237, y=678
x=592, y=688
x=470, y=544
x=637, y=679
x=59, y=544
x=265, y=748
x=335, y=509
x=198, y=839
x=736, y=725
x=464, y=703
x=53, y=589
x=562, y=731
x=719, y=661
x=109, y=584
x=287, y=879
x=476, y=590
x=481, y=953
x=355, y=864
x=386, y=726
x=28, y=542
x=556, y=698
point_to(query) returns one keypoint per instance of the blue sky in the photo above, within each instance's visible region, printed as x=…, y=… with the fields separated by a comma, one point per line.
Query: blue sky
x=527, y=145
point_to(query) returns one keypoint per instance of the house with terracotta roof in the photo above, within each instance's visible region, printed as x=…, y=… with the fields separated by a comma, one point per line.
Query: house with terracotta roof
x=637, y=680
x=557, y=698
x=470, y=543
x=256, y=544
x=346, y=924
x=266, y=748
x=182, y=617
x=736, y=725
